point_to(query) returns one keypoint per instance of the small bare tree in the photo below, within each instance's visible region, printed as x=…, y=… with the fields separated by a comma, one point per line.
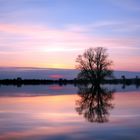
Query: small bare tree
x=94, y=65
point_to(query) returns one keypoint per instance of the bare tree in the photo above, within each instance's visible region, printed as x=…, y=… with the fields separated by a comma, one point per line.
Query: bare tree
x=94, y=64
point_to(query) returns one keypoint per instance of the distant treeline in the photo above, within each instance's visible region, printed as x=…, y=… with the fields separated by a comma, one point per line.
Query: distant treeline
x=20, y=81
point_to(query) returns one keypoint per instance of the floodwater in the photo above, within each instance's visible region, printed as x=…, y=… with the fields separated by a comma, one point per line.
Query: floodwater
x=69, y=113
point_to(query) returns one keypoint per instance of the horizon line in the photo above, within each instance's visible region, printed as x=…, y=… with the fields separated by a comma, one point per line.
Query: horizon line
x=56, y=68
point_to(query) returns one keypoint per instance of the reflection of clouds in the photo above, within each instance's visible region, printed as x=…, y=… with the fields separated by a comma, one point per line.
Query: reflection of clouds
x=56, y=87
x=43, y=90
x=94, y=103
x=38, y=90
x=23, y=113
x=54, y=117
x=41, y=133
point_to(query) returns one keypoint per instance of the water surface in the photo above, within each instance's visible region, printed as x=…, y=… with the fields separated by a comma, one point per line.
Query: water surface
x=54, y=116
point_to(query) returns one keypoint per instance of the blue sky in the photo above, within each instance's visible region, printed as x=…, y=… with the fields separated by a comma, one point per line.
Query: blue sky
x=29, y=28
x=63, y=12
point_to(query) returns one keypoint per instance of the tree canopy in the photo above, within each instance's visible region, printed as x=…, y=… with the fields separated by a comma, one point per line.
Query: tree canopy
x=94, y=64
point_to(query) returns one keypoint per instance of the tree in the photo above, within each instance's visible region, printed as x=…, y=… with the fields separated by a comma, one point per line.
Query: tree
x=94, y=65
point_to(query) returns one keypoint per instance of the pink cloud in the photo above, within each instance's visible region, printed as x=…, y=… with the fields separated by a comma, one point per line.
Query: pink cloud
x=40, y=46
x=55, y=76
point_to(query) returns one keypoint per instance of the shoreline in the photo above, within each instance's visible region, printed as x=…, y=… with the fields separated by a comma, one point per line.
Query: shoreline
x=19, y=81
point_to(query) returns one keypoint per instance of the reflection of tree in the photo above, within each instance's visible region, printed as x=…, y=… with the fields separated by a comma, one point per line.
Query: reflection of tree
x=94, y=103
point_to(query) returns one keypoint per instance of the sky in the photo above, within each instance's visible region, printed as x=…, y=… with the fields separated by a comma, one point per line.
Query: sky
x=51, y=33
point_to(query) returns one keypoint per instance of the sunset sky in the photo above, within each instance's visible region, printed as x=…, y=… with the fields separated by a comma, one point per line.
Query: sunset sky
x=51, y=33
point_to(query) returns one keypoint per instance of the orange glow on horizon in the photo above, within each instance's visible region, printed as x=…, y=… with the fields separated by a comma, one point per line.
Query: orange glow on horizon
x=56, y=48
